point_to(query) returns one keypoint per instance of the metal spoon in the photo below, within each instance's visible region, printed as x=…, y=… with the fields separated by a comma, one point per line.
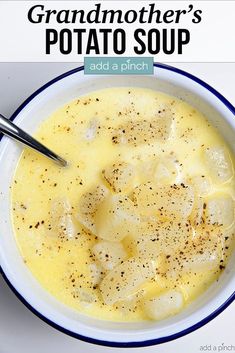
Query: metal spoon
x=13, y=131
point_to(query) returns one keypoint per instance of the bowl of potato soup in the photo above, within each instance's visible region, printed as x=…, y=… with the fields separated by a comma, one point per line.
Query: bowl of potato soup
x=131, y=244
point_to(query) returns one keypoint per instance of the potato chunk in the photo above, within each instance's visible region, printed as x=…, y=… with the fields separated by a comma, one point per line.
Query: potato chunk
x=86, y=297
x=163, y=170
x=228, y=241
x=203, y=260
x=62, y=222
x=197, y=215
x=202, y=185
x=116, y=218
x=171, y=201
x=109, y=254
x=164, y=305
x=96, y=273
x=130, y=303
x=202, y=253
x=119, y=176
x=146, y=170
x=88, y=206
x=167, y=170
x=92, y=129
x=125, y=279
x=163, y=238
x=220, y=210
x=219, y=163
x=138, y=132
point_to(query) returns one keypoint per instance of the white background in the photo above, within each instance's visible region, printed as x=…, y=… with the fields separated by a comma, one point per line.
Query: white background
x=20, y=330
x=211, y=39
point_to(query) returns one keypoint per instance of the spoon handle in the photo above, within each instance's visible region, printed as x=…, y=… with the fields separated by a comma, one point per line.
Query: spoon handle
x=8, y=128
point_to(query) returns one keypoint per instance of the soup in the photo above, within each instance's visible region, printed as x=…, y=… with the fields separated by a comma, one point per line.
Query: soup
x=141, y=222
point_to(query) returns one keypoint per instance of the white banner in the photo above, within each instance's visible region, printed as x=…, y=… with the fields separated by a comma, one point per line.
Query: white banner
x=66, y=31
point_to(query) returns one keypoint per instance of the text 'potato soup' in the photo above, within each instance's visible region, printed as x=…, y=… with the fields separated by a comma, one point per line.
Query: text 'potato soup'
x=141, y=222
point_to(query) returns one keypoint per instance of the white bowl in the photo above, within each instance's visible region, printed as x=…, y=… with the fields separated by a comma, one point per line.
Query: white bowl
x=34, y=110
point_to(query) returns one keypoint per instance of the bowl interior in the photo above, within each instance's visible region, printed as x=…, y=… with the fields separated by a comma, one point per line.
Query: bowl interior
x=37, y=110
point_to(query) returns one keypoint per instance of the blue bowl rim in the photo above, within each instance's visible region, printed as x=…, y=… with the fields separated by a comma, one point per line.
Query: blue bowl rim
x=146, y=343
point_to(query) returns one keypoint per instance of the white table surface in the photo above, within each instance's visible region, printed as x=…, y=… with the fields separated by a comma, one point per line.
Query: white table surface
x=20, y=330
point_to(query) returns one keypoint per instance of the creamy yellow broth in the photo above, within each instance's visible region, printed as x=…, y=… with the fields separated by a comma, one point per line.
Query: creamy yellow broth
x=83, y=132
